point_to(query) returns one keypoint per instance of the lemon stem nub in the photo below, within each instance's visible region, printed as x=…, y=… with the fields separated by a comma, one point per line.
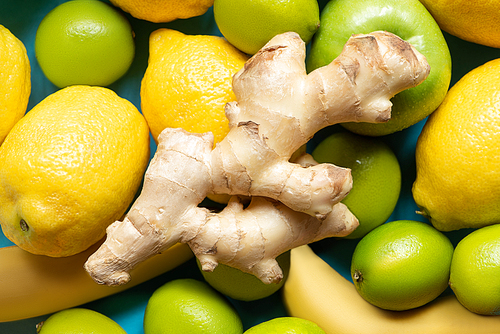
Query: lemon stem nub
x=423, y=213
x=24, y=225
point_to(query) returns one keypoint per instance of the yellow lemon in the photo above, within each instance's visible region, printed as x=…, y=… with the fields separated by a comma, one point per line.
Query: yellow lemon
x=164, y=10
x=188, y=82
x=457, y=154
x=15, y=81
x=473, y=21
x=69, y=168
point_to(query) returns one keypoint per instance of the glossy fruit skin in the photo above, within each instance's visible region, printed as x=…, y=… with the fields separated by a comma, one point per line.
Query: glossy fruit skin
x=165, y=10
x=63, y=283
x=458, y=171
x=376, y=176
x=475, y=269
x=317, y=292
x=190, y=306
x=80, y=321
x=402, y=265
x=250, y=24
x=238, y=285
x=86, y=42
x=71, y=167
x=15, y=81
x=473, y=21
x=199, y=71
x=286, y=325
x=409, y=20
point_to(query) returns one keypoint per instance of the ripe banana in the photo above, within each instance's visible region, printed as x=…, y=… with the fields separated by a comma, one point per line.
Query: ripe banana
x=34, y=285
x=315, y=291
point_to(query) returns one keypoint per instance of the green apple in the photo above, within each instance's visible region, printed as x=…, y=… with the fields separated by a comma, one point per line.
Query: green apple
x=408, y=19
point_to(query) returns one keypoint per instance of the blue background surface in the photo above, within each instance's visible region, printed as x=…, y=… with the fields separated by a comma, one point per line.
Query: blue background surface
x=22, y=17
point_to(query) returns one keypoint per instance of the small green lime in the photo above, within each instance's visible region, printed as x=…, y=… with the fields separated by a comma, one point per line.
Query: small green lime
x=250, y=24
x=79, y=321
x=84, y=42
x=286, y=325
x=402, y=265
x=375, y=172
x=189, y=306
x=239, y=285
x=475, y=269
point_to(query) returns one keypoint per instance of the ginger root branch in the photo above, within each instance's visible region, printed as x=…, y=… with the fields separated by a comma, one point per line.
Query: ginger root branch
x=279, y=108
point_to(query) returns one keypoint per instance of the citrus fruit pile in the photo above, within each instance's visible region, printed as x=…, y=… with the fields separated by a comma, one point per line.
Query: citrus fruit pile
x=73, y=155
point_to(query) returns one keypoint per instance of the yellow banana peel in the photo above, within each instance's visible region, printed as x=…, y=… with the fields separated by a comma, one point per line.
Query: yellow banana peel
x=315, y=291
x=33, y=285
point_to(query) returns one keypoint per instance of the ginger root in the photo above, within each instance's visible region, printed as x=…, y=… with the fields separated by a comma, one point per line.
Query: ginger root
x=279, y=108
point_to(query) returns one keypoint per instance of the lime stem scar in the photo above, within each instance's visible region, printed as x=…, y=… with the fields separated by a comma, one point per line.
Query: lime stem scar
x=358, y=277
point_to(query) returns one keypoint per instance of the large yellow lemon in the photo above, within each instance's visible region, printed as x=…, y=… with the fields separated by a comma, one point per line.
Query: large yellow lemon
x=474, y=21
x=15, y=81
x=164, y=10
x=458, y=154
x=69, y=168
x=188, y=82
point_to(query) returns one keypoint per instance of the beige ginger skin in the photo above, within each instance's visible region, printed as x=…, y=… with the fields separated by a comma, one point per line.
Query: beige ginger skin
x=277, y=204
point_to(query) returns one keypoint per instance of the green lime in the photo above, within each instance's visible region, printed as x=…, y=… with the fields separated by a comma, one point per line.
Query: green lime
x=84, y=42
x=375, y=172
x=190, y=306
x=286, y=325
x=475, y=269
x=79, y=321
x=402, y=265
x=250, y=24
x=239, y=285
